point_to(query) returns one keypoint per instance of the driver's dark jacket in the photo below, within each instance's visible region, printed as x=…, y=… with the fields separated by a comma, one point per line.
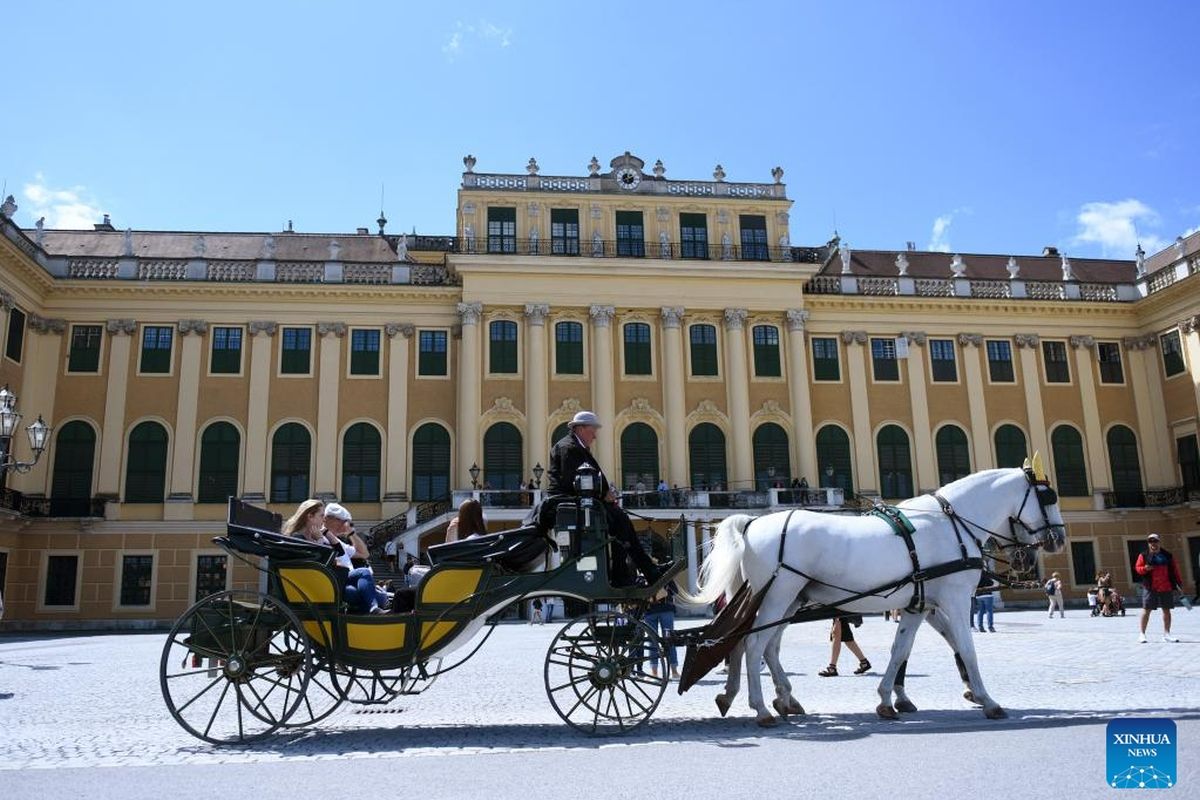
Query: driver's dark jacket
x=566, y=456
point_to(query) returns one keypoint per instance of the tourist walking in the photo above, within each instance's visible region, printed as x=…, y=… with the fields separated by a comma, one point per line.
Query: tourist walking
x=1055, y=594
x=1160, y=579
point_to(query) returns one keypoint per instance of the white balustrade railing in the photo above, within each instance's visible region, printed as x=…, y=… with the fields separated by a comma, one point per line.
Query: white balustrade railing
x=367, y=273
x=92, y=268
x=299, y=272
x=162, y=270
x=231, y=270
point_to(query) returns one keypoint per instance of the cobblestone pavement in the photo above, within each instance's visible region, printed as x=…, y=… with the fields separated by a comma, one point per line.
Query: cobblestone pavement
x=94, y=701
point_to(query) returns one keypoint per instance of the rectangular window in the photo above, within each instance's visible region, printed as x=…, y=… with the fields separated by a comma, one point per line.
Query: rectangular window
x=825, y=359
x=1109, y=356
x=703, y=339
x=766, y=351
x=754, y=237
x=1000, y=362
x=631, y=234
x=156, y=349
x=136, y=572
x=1054, y=354
x=431, y=357
x=883, y=358
x=226, y=357
x=1172, y=353
x=210, y=575
x=564, y=231
x=364, y=352
x=16, y=334
x=1083, y=562
x=637, y=348
x=502, y=230
x=85, y=348
x=1189, y=461
x=941, y=358
x=502, y=358
x=693, y=236
x=62, y=573
x=296, y=358
x=568, y=348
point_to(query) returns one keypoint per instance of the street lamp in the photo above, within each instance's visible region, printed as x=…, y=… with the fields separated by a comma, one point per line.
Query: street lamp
x=474, y=470
x=10, y=418
x=538, y=471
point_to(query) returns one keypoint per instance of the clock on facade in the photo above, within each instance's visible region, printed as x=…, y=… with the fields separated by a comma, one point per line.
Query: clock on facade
x=629, y=178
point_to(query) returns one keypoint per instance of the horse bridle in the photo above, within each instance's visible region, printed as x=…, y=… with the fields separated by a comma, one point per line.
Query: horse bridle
x=1046, y=496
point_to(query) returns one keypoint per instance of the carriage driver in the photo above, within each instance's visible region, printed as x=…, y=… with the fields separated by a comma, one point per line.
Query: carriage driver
x=566, y=456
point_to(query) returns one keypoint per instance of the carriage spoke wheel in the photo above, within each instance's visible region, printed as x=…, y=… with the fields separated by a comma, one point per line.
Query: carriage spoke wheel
x=597, y=673
x=322, y=697
x=235, y=667
x=369, y=687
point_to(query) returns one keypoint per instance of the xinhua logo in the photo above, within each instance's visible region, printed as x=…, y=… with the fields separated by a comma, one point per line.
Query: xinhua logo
x=1141, y=753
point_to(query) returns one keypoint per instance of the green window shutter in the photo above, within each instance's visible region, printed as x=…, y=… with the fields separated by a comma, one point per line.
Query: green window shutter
x=754, y=237
x=631, y=234
x=825, y=360
x=703, y=340
x=146, y=464
x=219, y=450
x=297, y=351
x=156, y=349
x=1070, y=471
x=85, y=348
x=772, y=458
x=895, y=462
x=432, y=357
x=503, y=347
x=364, y=352
x=361, y=453
x=639, y=455
x=1011, y=449
x=291, y=449
x=637, y=349
x=766, y=351
x=568, y=348
x=431, y=462
x=953, y=456
x=503, y=457
x=226, y=351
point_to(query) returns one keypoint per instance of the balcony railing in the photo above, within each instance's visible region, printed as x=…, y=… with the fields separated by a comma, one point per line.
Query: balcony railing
x=1015, y=289
x=51, y=506
x=621, y=248
x=1157, y=498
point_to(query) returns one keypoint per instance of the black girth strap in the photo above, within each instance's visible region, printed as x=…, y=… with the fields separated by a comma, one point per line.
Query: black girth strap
x=904, y=529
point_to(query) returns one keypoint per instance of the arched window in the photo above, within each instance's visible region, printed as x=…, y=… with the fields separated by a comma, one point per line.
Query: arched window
x=1126, y=468
x=833, y=460
x=559, y=432
x=361, y=453
x=146, y=464
x=1070, y=471
x=772, y=462
x=430, y=462
x=291, y=451
x=953, y=456
x=219, y=447
x=503, y=457
x=71, y=484
x=895, y=462
x=1011, y=449
x=639, y=455
x=706, y=456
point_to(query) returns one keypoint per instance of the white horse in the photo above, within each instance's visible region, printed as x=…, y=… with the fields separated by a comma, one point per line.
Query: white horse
x=860, y=564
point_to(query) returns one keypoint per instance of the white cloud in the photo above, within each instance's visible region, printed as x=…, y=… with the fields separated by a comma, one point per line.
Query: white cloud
x=466, y=34
x=939, y=240
x=1114, y=227
x=72, y=208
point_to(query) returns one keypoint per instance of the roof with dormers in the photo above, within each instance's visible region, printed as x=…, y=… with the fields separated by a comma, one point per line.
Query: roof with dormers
x=978, y=266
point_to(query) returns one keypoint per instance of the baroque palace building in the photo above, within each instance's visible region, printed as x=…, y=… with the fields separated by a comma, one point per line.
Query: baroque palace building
x=400, y=374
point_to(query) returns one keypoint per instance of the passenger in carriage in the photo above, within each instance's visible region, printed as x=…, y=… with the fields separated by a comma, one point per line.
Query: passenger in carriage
x=307, y=522
x=361, y=594
x=566, y=457
x=469, y=523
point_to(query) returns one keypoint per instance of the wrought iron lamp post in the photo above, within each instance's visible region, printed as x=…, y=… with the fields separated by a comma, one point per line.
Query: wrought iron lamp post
x=474, y=470
x=538, y=471
x=10, y=418
x=829, y=476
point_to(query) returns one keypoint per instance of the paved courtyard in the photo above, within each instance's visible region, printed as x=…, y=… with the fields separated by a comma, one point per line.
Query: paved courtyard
x=85, y=715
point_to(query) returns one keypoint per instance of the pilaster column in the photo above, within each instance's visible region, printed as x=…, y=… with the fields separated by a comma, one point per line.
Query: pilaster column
x=325, y=478
x=860, y=412
x=469, y=379
x=800, y=398
x=112, y=437
x=972, y=348
x=737, y=390
x=927, y=474
x=254, y=481
x=1190, y=330
x=1084, y=347
x=603, y=382
x=674, y=397
x=537, y=385
x=43, y=357
x=1146, y=375
x=191, y=344
x=1027, y=350
x=395, y=478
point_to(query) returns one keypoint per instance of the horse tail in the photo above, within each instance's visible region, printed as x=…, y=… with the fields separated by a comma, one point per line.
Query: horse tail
x=722, y=570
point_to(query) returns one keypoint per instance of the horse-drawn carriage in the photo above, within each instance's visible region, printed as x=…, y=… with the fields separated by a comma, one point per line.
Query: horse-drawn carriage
x=239, y=665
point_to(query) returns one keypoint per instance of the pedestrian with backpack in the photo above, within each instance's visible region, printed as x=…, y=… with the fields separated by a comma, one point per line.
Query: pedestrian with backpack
x=1160, y=578
x=1055, y=595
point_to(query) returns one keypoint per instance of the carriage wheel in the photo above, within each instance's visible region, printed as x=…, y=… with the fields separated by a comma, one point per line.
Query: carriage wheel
x=322, y=697
x=369, y=687
x=235, y=667
x=597, y=673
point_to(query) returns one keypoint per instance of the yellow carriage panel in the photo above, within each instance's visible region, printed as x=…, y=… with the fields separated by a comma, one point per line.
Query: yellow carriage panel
x=319, y=632
x=385, y=636
x=307, y=584
x=450, y=585
x=434, y=632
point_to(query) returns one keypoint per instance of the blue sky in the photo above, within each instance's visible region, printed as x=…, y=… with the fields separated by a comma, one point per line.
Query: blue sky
x=973, y=127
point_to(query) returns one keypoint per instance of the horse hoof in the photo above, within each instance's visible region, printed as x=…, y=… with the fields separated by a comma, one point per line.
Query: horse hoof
x=887, y=712
x=790, y=707
x=767, y=721
x=906, y=706
x=969, y=696
x=723, y=704
x=995, y=713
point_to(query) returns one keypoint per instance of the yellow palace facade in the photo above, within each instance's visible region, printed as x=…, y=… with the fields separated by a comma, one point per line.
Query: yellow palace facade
x=399, y=374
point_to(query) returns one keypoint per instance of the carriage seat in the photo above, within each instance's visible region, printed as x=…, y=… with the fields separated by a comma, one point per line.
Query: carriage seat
x=275, y=546
x=512, y=549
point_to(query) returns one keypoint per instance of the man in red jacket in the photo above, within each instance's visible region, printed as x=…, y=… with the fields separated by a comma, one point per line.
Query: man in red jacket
x=1160, y=579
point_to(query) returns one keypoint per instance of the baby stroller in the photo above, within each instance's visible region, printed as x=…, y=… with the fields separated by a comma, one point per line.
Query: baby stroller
x=1112, y=604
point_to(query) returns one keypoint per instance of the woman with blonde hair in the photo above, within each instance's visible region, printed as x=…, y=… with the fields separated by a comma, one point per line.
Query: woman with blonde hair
x=306, y=522
x=468, y=524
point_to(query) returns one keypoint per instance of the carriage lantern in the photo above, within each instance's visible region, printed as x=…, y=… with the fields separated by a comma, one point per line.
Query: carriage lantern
x=585, y=481
x=39, y=434
x=538, y=471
